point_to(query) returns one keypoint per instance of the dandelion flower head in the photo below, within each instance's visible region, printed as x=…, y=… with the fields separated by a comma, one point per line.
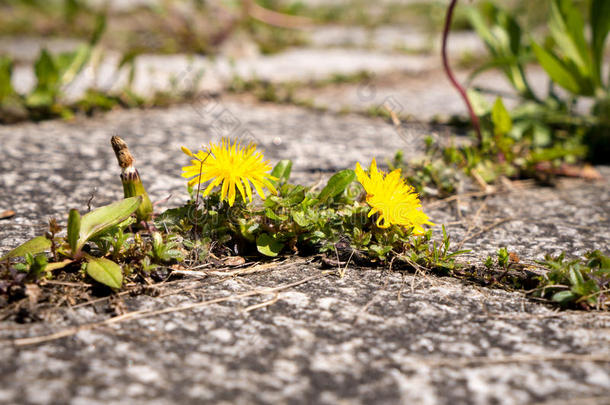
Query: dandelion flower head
x=395, y=201
x=231, y=166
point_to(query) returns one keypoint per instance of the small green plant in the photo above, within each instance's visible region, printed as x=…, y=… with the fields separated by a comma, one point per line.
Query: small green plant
x=53, y=74
x=504, y=261
x=115, y=242
x=33, y=266
x=80, y=231
x=165, y=249
x=514, y=145
x=490, y=262
x=540, y=137
x=572, y=283
x=432, y=255
x=436, y=174
x=581, y=282
x=571, y=61
x=511, y=146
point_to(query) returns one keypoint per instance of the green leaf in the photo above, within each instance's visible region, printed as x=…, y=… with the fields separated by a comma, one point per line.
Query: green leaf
x=46, y=71
x=300, y=218
x=337, y=184
x=503, y=38
x=6, y=73
x=33, y=246
x=319, y=234
x=381, y=250
x=73, y=229
x=100, y=27
x=479, y=104
x=70, y=64
x=40, y=98
x=563, y=297
x=598, y=259
x=272, y=215
x=513, y=29
x=36, y=265
x=268, y=245
x=104, y=271
x=171, y=218
x=282, y=171
x=103, y=218
x=478, y=23
x=295, y=196
x=165, y=250
x=458, y=252
x=575, y=276
x=586, y=288
x=47, y=76
x=501, y=118
x=567, y=28
x=600, y=26
x=58, y=265
x=556, y=69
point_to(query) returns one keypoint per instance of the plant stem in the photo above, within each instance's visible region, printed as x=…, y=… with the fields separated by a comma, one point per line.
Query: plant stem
x=199, y=190
x=449, y=72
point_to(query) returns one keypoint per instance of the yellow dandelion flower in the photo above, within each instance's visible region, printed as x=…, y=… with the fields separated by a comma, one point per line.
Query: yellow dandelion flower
x=233, y=166
x=395, y=201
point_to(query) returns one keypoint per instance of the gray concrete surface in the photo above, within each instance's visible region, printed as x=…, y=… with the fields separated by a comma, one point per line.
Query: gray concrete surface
x=373, y=336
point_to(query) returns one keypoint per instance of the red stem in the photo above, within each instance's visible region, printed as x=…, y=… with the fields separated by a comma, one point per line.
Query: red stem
x=449, y=72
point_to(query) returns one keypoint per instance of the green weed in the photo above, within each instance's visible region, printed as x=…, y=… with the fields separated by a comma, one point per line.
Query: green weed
x=583, y=282
x=571, y=60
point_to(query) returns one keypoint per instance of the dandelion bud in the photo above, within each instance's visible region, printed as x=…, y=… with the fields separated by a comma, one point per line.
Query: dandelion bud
x=132, y=184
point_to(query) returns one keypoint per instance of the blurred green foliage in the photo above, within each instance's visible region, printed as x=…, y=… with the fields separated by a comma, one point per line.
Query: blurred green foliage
x=572, y=61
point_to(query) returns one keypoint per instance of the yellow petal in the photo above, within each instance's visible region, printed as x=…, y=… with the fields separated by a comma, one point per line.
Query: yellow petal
x=258, y=189
x=223, y=192
x=209, y=189
x=240, y=187
x=373, y=168
x=231, y=187
x=360, y=172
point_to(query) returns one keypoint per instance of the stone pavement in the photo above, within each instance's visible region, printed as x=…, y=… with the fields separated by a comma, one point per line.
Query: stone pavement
x=285, y=331
x=373, y=336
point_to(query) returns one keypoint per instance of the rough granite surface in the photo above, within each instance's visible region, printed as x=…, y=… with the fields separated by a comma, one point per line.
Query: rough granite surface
x=373, y=336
